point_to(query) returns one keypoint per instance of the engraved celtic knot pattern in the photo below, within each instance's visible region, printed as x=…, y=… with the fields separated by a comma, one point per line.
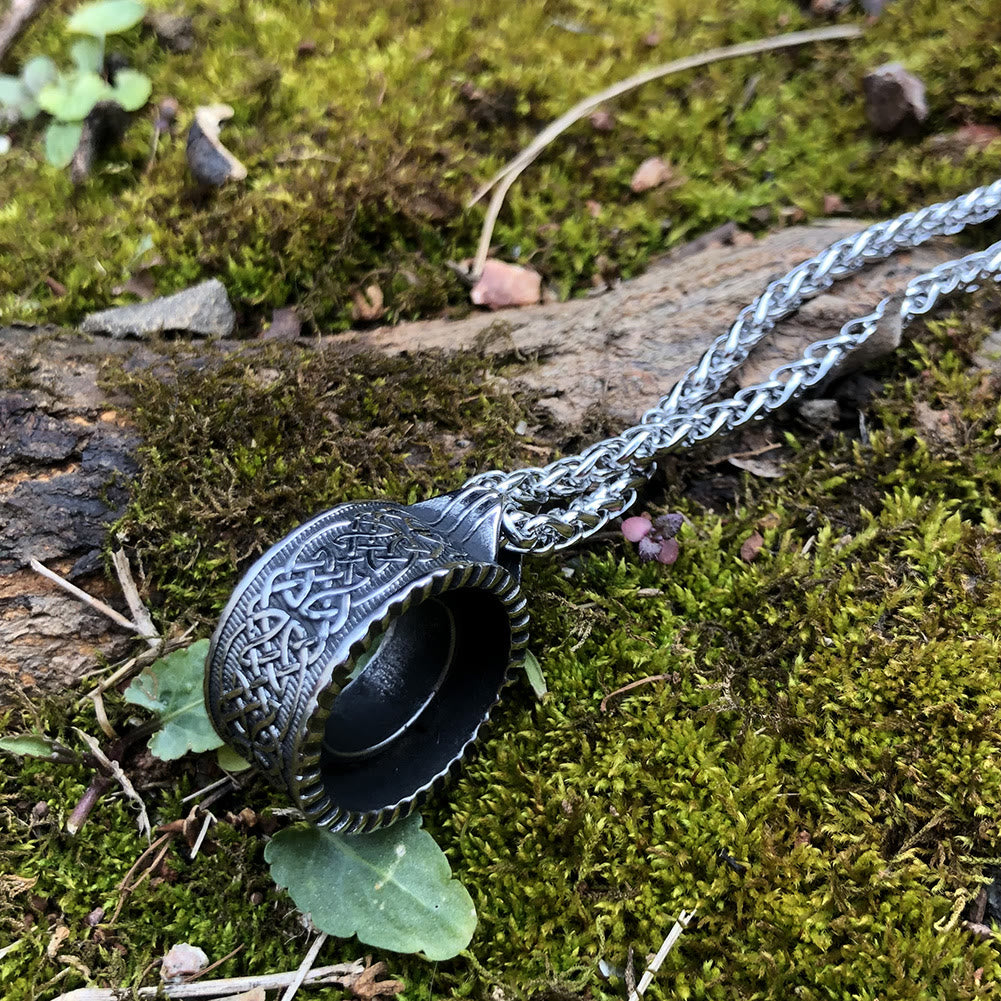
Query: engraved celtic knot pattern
x=299, y=605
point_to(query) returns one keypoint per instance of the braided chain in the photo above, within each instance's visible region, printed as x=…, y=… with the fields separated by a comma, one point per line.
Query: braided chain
x=600, y=483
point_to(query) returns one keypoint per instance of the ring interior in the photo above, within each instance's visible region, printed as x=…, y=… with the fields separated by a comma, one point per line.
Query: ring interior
x=418, y=701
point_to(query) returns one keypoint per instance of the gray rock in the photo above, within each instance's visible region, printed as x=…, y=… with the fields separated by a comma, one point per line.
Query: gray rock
x=820, y=414
x=894, y=99
x=204, y=309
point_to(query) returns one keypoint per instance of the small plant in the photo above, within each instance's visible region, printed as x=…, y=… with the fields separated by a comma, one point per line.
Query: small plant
x=655, y=539
x=395, y=886
x=69, y=97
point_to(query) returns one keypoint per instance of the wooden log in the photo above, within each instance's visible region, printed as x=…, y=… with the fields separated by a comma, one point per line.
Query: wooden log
x=67, y=452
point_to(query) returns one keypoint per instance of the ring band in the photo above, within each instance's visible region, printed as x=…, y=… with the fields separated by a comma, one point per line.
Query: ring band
x=359, y=657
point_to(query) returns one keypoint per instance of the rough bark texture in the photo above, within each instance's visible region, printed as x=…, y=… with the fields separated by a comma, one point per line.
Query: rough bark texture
x=620, y=351
x=66, y=453
x=65, y=461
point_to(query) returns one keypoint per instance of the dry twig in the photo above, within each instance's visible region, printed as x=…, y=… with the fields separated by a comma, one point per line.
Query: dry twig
x=342, y=975
x=305, y=966
x=631, y=686
x=140, y=614
x=684, y=919
x=507, y=175
x=15, y=20
x=114, y=769
x=87, y=599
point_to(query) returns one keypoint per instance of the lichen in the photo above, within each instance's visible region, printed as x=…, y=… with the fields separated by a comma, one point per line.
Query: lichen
x=363, y=151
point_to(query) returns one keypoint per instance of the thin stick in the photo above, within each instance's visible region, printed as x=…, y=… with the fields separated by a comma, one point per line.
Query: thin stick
x=213, y=966
x=305, y=966
x=684, y=919
x=126, y=890
x=140, y=614
x=205, y=790
x=15, y=20
x=87, y=599
x=196, y=847
x=630, y=687
x=115, y=769
x=507, y=175
x=132, y=664
x=343, y=975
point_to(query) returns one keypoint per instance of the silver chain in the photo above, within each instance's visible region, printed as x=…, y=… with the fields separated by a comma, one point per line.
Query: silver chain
x=551, y=507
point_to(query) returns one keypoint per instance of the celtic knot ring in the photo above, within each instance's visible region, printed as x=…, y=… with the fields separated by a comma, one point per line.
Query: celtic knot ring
x=358, y=658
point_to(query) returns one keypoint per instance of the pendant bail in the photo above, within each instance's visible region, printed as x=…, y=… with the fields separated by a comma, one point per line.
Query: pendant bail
x=359, y=657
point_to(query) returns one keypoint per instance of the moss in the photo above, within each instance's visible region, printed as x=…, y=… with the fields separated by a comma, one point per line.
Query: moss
x=269, y=436
x=819, y=774
x=362, y=155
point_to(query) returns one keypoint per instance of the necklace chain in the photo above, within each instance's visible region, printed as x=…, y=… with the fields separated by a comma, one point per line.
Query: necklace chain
x=555, y=506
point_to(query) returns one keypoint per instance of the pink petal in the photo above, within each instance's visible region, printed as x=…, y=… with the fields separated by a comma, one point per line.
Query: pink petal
x=668, y=551
x=635, y=529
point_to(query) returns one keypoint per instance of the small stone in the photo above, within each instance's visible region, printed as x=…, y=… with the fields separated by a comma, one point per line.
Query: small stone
x=651, y=173
x=833, y=204
x=593, y=208
x=181, y=961
x=820, y=414
x=752, y=547
x=636, y=528
x=204, y=309
x=668, y=525
x=174, y=32
x=503, y=285
x=894, y=99
x=649, y=549
x=285, y=325
x=602, y=121
x=40, y=810
x=209, y=161
x=95, y=917
x=166, y=113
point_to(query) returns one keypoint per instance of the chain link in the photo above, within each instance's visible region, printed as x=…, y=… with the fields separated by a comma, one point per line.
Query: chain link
x=555, y=506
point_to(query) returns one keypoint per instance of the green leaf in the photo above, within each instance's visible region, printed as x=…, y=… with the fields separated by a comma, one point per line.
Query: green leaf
x=106, y=17
x=392, y=888
x=31, y=744
x=533, y=671
x=88, y=54
x=172, y=688
x=71, y=98
x=131, y=89
x=37, y=72
x=61, y=141
x=11, y=92
x=230, y=761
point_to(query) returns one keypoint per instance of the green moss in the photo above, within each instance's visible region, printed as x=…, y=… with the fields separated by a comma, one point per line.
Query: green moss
x=820, y=773
x=362, y=155
x=830, y=717
x=271, y=435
